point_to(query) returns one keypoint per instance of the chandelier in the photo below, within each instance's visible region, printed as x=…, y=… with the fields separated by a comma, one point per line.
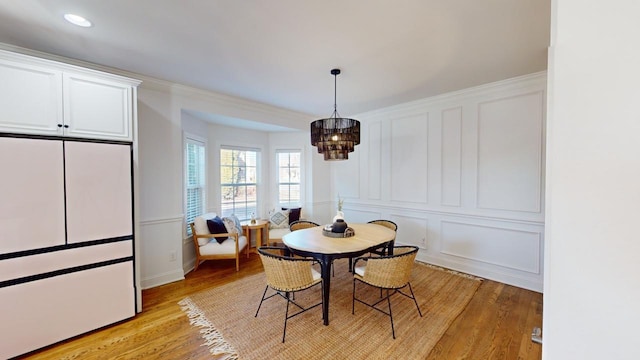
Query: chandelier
x=335, y=136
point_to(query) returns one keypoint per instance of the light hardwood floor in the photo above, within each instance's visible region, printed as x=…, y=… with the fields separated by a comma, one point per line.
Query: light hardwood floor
x=496, y=324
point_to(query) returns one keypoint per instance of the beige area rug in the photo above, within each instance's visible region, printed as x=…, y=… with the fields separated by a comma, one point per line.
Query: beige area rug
x=225, y=316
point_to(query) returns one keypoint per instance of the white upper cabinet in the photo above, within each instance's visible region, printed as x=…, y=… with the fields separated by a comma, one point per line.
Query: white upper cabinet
x=44, y=97
x=97, y=108
x=30, y=98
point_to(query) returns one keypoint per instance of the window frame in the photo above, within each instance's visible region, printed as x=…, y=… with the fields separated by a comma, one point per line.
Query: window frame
x=202, y=143
x=288, y=202
x=247, y=210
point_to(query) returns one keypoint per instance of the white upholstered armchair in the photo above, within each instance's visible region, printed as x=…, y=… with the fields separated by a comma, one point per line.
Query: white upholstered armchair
x=224, y=242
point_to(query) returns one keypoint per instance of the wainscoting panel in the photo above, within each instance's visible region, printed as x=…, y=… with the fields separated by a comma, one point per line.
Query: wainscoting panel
x=347, y=174
x=162, y=247
x=462, y=176
x=451, y=153
x=355, y=215
x=510, y=153
x=373, y=160
x=502, y=247
x=409, y=158
x=412, y=230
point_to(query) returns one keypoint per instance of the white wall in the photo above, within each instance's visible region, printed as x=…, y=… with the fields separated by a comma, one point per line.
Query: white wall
x=592, y=273
x=162, y=121
x=160, y=184
x=316, y=185
x=461, y=174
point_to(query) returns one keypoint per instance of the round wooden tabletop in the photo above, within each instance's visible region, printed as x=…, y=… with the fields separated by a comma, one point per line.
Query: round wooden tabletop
x=312, y=240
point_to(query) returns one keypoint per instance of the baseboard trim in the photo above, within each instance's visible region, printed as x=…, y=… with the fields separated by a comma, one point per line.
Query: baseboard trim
x=162, y=279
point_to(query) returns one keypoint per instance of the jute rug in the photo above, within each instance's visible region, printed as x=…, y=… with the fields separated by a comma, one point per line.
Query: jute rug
x=225, y=316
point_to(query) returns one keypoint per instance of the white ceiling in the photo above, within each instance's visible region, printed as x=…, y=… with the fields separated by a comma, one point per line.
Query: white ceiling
x=280, y=52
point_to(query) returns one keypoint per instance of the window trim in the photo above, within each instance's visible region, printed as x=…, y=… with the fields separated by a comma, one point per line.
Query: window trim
x=257, y=183
x=277, y=179
x=200, y=141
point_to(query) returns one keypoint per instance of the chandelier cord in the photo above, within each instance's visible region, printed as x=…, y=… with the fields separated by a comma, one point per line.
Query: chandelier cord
x=335, y=93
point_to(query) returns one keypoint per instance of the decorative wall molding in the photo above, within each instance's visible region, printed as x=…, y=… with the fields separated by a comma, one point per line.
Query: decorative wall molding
x=412, y=230
x=399, y=208
x=528, y=254
x=464, y=173
x=502, y=180
x=451, y=156
x=455, y=97
x=178, y=218
x=409, y=165
x=374, y=160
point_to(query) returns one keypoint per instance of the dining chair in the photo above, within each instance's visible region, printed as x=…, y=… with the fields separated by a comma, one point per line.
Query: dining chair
x=287, y=275
x=382, y=250
x=388, y=272
x=302, y=224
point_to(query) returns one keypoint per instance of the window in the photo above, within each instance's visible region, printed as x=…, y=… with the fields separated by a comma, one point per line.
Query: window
x=288, y=177
x=238, y=182
x=194, y=179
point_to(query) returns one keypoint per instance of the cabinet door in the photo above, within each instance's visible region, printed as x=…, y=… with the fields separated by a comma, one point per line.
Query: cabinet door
x=30, y=99
x=97, y=108
x=98, y=191
x=43, y=312
x=31, y=194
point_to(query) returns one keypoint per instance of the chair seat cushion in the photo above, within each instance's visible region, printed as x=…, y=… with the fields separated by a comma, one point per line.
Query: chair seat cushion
x=277, y=234
x=227, y=247
x=316, y=275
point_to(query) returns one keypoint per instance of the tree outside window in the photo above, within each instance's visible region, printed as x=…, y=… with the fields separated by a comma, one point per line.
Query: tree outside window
x=238, y=182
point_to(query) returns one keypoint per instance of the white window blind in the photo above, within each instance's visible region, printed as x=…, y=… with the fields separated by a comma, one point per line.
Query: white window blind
x=239, y=182
x=288, y=176
x=194, y=180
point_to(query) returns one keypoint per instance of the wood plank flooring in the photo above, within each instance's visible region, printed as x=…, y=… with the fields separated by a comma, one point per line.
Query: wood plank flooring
x=496, y=324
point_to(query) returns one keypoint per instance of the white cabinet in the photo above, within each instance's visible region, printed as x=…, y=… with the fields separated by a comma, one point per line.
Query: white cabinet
x=30, y=98
x=97, y=108
x=49, y=98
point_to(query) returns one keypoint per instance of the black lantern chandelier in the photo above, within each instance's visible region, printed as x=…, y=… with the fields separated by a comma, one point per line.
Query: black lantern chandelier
x=335, y=136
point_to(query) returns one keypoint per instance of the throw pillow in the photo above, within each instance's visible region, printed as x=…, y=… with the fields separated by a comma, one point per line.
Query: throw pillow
x=216, y=226
x=237, y=221
x=294, y=214
x=230, y=225
x=279, y=220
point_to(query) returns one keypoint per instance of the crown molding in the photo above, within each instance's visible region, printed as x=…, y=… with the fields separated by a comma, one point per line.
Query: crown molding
x=524, y=82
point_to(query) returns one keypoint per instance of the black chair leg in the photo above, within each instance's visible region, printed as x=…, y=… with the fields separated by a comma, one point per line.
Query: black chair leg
x=286, y=317
x=261, y=300
x=393, y=331
x=353, y=298
x=414, y=300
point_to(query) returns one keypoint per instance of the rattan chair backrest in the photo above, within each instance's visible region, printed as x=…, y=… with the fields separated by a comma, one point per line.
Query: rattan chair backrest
x=388, y=223
x=302, y=224
x=391, y=271
x=285, y=273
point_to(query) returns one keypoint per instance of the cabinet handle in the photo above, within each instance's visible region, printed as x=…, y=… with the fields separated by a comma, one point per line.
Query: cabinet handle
x=59, y=125
x=66, y=126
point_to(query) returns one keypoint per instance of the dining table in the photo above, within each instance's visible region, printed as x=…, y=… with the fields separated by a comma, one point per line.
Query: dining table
x=313, y=242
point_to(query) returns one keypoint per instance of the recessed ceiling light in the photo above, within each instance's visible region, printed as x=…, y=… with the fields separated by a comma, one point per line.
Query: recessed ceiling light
x=77, y=20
